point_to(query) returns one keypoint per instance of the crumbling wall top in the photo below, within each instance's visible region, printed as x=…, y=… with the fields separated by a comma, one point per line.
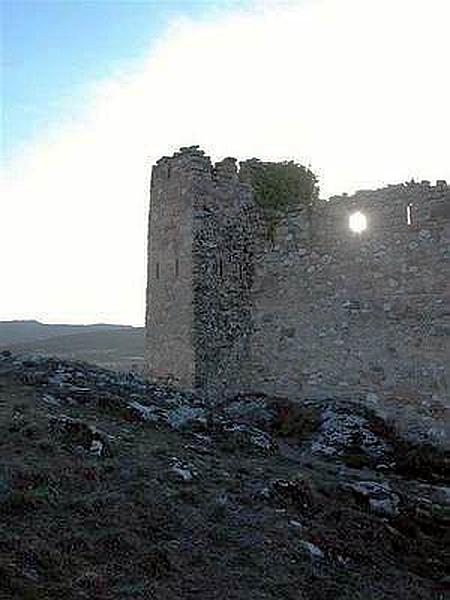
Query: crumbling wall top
x=423, y=188
x=226, y=169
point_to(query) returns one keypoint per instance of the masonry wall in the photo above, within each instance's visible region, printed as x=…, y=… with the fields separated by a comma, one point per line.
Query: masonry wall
x=341, y=314
x=200, y=261
x=223, y=272
x=319, y=312
x=169, y=315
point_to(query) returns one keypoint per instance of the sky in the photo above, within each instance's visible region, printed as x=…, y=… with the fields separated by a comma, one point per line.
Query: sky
x=94, y=92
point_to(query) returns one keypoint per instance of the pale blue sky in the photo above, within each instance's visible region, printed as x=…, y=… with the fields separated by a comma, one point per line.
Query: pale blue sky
x=53, y=49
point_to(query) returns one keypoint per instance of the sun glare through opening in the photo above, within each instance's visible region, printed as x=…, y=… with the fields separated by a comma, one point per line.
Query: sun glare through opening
x=357, y=222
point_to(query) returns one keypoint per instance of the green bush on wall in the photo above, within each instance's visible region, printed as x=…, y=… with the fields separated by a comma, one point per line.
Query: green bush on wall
x=280, y=186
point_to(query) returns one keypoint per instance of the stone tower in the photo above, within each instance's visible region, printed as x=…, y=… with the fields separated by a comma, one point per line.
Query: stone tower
x=314, y=310
x=199, y=271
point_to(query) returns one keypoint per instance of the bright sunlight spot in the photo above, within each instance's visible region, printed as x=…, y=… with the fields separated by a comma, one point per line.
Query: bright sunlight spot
x=357, y=222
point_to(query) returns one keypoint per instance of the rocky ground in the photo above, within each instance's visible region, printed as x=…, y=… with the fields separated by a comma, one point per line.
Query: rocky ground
x=112, y=487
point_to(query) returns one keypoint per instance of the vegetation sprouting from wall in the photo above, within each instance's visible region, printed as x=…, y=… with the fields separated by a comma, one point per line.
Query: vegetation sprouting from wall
x=279, y=187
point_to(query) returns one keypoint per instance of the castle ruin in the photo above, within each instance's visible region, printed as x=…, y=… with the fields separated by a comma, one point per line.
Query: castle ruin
x=317, y=311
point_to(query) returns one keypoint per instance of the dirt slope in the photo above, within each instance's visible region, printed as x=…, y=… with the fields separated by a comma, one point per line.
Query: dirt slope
x=111, y=488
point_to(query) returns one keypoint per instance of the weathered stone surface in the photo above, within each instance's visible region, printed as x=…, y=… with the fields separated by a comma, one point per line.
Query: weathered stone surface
x=81, y=435
x=187, y=416
x=316, y=312
x=381, y=499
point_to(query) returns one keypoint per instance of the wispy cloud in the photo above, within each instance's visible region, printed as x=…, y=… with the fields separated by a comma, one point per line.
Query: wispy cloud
x=359, y=89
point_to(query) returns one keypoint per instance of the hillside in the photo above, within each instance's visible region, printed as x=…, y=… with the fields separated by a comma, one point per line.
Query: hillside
x=118, y=347
x=17, y=332
x=113, y=488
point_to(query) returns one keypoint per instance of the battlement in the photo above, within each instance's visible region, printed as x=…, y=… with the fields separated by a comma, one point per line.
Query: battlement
x=192, y=162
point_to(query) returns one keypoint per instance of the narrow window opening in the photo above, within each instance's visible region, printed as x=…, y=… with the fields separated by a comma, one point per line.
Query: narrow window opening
x=241, y=271
x=168, y=172
x=157, y=270
x=409, y=214
x=220, y=267
x=177, y=267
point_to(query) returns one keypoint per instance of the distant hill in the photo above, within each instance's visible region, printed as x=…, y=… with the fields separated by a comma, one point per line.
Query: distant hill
x=113, y=346
x=13, y=332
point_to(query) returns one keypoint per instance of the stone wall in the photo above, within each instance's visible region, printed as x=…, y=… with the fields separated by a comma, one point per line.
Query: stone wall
x=169, y=316
x=223, y=274
x=319, y=311
x=365, y=316
x=198, y=321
